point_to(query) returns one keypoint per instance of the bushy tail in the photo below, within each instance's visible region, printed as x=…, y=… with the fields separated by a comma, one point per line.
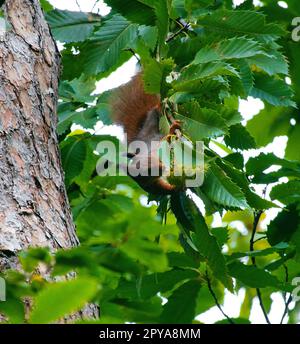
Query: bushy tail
x=130, y=106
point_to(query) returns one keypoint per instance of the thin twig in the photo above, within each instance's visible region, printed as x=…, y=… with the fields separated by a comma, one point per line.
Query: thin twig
x=261, y=238
x=216, y=300
x=134, y=54
x=77, y=3
x=252, y=241
x=95, y=3
x=183, y=28
x=289, y=300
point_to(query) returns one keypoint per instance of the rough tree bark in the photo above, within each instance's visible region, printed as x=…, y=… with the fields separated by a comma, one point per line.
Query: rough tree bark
x=34, y=209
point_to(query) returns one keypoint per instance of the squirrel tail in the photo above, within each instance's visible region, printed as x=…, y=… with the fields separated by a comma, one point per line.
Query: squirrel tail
x=130, y=106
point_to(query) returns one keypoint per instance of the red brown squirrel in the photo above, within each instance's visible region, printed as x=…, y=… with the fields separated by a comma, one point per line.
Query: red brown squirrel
x=138, y=113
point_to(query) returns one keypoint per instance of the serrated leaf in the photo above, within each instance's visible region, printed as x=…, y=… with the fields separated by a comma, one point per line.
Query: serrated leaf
x=220, y=188
x=181, y=305
x=199, y=123
x=239, y=138
x=246, y=75
x=241, y=23
x=191, y=220
x=78, y=90
x=283, y=226
x=234, y=48
x=239, y=178
x=68, y=26
x=208, y=247
x=276, y=123
x=134, y=11
x=66, y=297
x=195, y=73
x=147, y=253
x=154, y=74
x=73, y=153
x=287, y=193
x=256, y=166
x=236, y=159
x=162, y=19
x=273, y=64
x=252, y=276
x=103, y=50
x=221, y=234
x=274, y=91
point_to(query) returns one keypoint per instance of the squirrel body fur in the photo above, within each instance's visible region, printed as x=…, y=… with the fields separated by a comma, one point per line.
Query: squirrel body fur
x=138, y=113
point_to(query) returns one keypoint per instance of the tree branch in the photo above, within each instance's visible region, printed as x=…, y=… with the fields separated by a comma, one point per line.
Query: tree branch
x=216, y=300
x=257, y=216
x=287, y=303
x=289, y=300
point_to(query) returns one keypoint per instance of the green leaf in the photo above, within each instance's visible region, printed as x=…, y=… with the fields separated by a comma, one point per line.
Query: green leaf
x=239, y=138
x=46, y=6
x=68, y=26
x=283, y=226
x=264, y=161
x=163, y=282
x=292, y=150
x=239, y=178
x=276, y=123
x=221, y=234
x=87, y=119
x=147, y=253
x=66, y=298
x=252, y=276
x=208, y=247
x=190, y=219
x=162, y=19
x=134, y=11
x=234, y=48
x=154, y=75
x=236, y=159
x=287, y=193
x=231, y=23
x=73, y=152
x=200, y=123
x=31, y=258
x=181, y=305
x=272, y=64
x=220, y=188
x=195, y=73
x=273, y=90
x=103, y=49
x=78, y=90
x=256, y=166
x=246, y=75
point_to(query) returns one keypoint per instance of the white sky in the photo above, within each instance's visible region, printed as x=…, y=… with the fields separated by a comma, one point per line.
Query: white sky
x=248, y=109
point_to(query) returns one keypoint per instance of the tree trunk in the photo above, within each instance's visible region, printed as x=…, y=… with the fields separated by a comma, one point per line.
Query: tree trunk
x=34, y=210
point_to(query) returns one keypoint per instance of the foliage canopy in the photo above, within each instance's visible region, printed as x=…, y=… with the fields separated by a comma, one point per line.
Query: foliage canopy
x=131, y=255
